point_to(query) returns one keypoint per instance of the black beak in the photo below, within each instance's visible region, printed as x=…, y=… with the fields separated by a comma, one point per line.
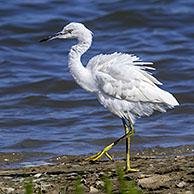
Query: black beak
x=45, y=39
x=54, y=36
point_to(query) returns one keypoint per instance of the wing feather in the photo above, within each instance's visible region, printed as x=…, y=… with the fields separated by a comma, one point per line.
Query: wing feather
x=124, y=76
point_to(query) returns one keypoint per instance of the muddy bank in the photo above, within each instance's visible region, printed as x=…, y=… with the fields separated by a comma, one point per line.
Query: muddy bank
x=162, y=170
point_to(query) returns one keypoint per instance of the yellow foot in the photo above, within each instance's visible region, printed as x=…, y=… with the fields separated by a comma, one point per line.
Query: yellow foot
x=131, y=170
x=99, y=154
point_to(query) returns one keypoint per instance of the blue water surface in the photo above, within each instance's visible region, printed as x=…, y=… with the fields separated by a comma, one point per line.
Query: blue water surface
x=41, y=107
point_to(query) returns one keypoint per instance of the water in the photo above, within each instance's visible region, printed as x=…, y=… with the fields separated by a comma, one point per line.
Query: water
x=41, y=107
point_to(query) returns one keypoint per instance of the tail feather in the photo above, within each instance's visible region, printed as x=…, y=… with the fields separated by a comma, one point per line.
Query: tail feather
x=169, y=99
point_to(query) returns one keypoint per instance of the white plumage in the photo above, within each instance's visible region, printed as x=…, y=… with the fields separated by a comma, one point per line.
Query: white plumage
x=126, y=88
x=122, y=83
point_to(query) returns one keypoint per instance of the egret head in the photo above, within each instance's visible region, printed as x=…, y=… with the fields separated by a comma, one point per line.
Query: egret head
x=70, y=31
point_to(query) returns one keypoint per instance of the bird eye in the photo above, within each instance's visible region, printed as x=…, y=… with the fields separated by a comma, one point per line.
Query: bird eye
x=70, y=31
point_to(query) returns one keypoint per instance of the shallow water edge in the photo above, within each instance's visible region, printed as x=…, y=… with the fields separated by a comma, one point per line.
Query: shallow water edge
x=162, y=170
x=24, y=159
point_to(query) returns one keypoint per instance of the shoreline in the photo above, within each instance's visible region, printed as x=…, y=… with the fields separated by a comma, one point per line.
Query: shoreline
x=162, y=170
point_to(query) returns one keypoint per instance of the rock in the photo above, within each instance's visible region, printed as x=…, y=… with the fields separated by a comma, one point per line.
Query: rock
x=137, y=154
x=39, y=180
x=58, y=158
x=9, y=190
x=84, y=176
x=188, y=192
x=154, y=182
x=38, y=175
x=75, y=166
x=21, y=180
x=93, y=190
x=151, y=165
x=179, y=157
x=141, y=175
x=45, y=186
x=181, y=184
x=73, y=174
x=101, y=174
x=100, y=183
x=83, y=180
x=8, y=177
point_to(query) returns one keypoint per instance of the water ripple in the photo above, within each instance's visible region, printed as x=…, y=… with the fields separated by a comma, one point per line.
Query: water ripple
x=41, y=106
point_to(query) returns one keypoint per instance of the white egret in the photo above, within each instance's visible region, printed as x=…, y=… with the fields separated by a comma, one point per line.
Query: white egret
x=121, y=82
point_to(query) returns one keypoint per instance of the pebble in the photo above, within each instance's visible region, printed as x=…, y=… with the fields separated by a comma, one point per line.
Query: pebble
x=10, y=190
x=100, y=183
x=93, y=190
x=188, y=192
x=179, y=157
x=45, y=186
x=83, y=180
x=38, y=180
x=141, y=176
x=37, y=175
x=181, y=184
x=154, y=182
x=58, y=158
x=73, y=174
x=101, y=174
x=7, y=177
x=21, y=180
x=128, y=177
x=76, y=166
x=84, y=176
x=151, y=165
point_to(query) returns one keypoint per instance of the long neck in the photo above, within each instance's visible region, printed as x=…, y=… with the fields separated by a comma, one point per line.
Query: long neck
x=81, y=74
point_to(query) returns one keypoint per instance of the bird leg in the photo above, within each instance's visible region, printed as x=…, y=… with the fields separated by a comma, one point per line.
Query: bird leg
x=128, y=141
x=107, y=148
